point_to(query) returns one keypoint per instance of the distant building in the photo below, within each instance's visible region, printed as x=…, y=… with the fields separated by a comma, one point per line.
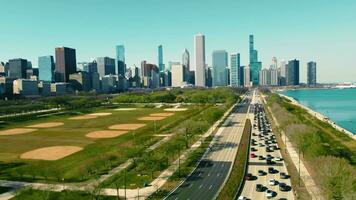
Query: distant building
x=149, y=75
x=58, y=88
x=265, y=77
x=242, y=76
x=105, y=66
x=109, y=83
x=255, y=65
x=120, y=59
x=235, y=70
x=282, y=74
x=44, y=88
x=209, y=77
x=186, y=64
x=247, y=80
x=178, y=75
x=199, y=47
x=46, y=68
x=160, y=58
x=292, y=72
x=274, y=73
x=80, y=81
x=220, y=63
x=17, y=68
x=311, y=74
x=95, y=81
x=66, y=63
x=25, y=87
x=6, y=85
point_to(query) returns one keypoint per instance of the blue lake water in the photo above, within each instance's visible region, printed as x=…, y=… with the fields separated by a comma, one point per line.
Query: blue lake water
x=338, y=104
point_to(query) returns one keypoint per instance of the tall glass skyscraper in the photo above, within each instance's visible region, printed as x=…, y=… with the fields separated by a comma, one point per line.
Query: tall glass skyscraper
x=255, y=65
x=292, y=72
x=160, y=58
x=66, y=63
x=311, y=74
x=46, y=68
x=199, y=47
x=220, y=68
x=235, y=69
x=186, y=64
x=120, y=60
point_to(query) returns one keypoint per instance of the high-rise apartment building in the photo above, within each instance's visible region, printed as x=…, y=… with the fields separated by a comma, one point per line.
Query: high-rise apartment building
x=199, y=49
x=247, y=80
x=66, y=63
x=311, y=74
x=105, y=66
x=282, y=73
x=46, y=68
x=220, y=63
x=292, y=72
x=120, y=59
x=255, y=65
x=235, y=69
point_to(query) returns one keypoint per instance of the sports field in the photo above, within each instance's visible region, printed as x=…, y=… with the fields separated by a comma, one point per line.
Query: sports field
x=73, y=148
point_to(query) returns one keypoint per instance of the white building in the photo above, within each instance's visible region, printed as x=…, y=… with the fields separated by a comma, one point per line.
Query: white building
x=234, y=69
x=199, y=47
x=177, y=75
x=274, y=74
x=247, y=80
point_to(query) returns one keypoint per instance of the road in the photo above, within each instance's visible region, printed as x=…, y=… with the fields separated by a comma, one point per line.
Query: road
x=255, y=164
x=210, y=175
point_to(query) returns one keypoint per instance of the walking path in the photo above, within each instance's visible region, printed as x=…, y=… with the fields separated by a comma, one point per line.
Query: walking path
x=308, y=180
x=139, y=193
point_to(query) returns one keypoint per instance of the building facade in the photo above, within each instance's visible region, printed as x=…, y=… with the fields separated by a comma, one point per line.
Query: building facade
x=66, y=63
x=17, y=68
x=120, y=60
x=177, y=75
x=46, y=68
x=220, y=63
x=160, y=59
x=199, y=47
x=235, y=69
x=311, y=74
x=292, y=73
x=105, y=66
x=255, y=65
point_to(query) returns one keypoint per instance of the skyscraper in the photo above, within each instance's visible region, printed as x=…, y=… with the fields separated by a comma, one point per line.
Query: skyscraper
x=105, y=66
x=311, y=73
x=17, y=68
x=177, y=75
x=186, y=64
x=46, y=68
x=235, y=69
x=160, y=58
x=283, y=69
x=255, y=65
x=220, y=64
x=247, y=80
x=199, y=48
x=120, y=59
x=292, y=72
x=66, y=63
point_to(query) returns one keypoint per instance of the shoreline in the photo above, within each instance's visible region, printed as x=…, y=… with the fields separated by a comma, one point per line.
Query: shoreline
x=320, y=116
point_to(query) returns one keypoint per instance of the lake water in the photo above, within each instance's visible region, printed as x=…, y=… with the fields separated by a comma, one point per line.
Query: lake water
x=337, y=104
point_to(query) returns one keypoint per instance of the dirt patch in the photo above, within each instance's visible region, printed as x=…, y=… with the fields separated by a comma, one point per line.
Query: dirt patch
x=105, y=134
x=46, y=125
x=83, y=117
x=100, y=114
x=151, y=118
x=127, y=126
x=125, y=109
x=161, y=114
x=50, y=153
x=17, y=131
x=175, y=109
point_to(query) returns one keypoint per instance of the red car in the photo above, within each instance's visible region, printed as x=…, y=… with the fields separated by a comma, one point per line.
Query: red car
x=253, y=155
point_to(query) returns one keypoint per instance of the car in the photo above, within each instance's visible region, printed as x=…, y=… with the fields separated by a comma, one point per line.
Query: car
x=269, y=194
x=248, y=176
x=278, y=159
x=270, y=170
x=272, y=182
x=261, y=145
x=283, y=175
x=253, y=149
x=242, y=198
x=259, y=188
x=283, y=187
x=269, y=161
x=261, y=158
x=261, y=172
x=253, y=155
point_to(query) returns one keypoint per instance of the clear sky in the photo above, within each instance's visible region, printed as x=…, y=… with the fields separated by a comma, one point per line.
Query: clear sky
x=319, y=30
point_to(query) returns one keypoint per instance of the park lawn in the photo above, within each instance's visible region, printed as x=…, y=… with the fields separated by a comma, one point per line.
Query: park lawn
x=97, y=156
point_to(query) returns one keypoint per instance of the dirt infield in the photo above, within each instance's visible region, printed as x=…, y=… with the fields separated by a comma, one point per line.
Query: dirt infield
x=100, y=114
x=175, y=109
x=126, y=126
x=46, y=125
x=151, y=118
x=125, y=109
x=50, y=153
x=17, y=131
x=83, y=117
x=105, y=134
x=161, y=114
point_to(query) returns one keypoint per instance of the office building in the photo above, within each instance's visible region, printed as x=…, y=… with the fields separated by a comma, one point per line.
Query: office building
x=105, y=66
x=109, y=83
x=44, y=88
x=149, y=75
x=58, y=89
x=17, y=68
x=209, y=77
x=80, y=81
x=186, y=64
x=25, y=87
x=66, y=63
x=220, y=63
x=46, y=68
x=265, y=77
x=255, y=65
x=311, y=74
x=282, y=74
x=247, y=80
x=177, y=75
x=120, y=59
x=160, y=59
x=292, y=73
x=199, y=49
x=274, y=74
x=235, y=70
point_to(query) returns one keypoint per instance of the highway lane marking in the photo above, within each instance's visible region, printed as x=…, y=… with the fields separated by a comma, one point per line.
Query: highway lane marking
x=210, y=187
x=190, y=185
x=201, y=185
x=209, y=174
x=218, y=175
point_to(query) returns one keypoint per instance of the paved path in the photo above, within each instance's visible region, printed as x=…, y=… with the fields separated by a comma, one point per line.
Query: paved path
x=255, y=164
x=213, y=170
x=309, y=183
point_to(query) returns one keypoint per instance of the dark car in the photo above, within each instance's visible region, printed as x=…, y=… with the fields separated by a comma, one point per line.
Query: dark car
x=283, y=175
x=283, y=187
x=248, y=176
x=253, y=149
x=271, y=170
x=261, y=172
x=261, y=158
x=259, y=188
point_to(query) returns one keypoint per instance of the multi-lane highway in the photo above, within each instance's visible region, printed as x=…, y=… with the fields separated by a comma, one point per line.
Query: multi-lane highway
x=208, y=178
x=256, y=163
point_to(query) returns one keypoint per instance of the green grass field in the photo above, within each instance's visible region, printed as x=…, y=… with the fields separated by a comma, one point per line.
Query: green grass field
x=98, y=155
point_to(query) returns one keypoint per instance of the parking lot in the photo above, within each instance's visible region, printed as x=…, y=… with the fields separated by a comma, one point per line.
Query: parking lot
x=267, y=176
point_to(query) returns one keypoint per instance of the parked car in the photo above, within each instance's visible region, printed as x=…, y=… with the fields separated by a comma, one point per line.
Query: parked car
x=259, y=188
x=248, y=176
x=269, y=194
x=270, y=170
x=261, y=172
x=242, y=198
x=272, y=182
x=278, y=159
x=283, y=187
x=283, y=175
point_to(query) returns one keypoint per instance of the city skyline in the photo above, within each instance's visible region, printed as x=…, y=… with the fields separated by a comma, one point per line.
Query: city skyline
x=293, y=37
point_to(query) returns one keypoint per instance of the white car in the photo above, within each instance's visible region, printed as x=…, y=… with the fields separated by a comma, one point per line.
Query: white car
x=278, y=159
x=242, y=198
x=272, y=182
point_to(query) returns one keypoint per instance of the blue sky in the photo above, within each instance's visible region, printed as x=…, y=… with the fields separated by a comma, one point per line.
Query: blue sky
x=320, y=30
